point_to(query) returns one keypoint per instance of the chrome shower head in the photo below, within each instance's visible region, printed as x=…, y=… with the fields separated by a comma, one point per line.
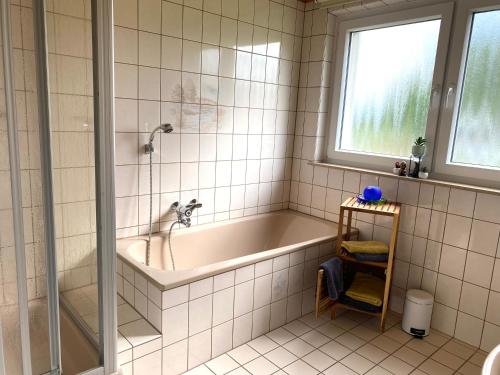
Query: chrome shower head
x=165, y=128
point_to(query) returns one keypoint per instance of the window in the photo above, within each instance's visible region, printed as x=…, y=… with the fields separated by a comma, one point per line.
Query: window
x=476, y=137
x=385, y=96
x=388, y=88
x=469, y=129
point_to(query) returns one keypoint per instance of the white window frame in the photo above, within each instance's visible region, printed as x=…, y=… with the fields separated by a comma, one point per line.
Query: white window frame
x=443, y=167
x=334, y=154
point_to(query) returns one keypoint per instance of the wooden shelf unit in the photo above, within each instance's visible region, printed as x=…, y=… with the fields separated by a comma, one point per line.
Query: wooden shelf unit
x=349, y=206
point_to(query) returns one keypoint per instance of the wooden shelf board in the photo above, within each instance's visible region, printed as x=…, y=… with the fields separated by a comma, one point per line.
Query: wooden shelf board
x=368, y=263
x=343, y=305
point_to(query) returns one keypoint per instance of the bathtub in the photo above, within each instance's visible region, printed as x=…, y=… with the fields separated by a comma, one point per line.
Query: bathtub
x=209, y=249
x=234, y=280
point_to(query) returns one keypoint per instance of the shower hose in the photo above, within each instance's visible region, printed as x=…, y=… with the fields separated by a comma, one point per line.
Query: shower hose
x=148, y=246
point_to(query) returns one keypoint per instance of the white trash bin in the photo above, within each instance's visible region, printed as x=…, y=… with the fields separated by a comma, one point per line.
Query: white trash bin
x=417, y=312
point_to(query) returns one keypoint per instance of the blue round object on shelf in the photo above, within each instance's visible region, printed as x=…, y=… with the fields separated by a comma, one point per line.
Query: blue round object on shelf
x=372, y=193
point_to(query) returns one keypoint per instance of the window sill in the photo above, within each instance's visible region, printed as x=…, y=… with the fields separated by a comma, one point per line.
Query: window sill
x=456, y=185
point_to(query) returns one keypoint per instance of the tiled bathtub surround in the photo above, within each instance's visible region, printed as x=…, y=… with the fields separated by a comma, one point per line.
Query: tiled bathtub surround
x=225, y=74
x=449, y=237
x=209, y=317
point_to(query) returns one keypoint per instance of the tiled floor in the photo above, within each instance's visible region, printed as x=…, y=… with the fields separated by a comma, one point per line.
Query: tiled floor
x=349, y=345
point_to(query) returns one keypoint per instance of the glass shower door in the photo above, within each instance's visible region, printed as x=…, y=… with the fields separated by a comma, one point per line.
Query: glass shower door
x=51, y=223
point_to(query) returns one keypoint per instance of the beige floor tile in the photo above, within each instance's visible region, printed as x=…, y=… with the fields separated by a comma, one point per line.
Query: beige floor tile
x=300, y=368
x=339, y=369
x=335, y=350
x=448, y=359
x=469, y=368
x=432, y=367
x=372, y=353
x=243, y=354
x=222, y=364
x=315, y=338
x=281, y=357
x=410, y=356
x=396, y=366
x=299, y=347
x=357, y=363
x=398, y=335
x=377, y=370
x=351, y=341
x=319, y=360
x=459, y=348
x=281, y=336
x=364, y=332
x=386, y=344
x=422, y=347
x=478, y=358
x=331, y=330
x=436, y=338
x=260, y=366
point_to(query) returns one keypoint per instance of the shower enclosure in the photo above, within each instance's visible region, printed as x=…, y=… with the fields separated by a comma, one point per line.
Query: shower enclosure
x=57, y=231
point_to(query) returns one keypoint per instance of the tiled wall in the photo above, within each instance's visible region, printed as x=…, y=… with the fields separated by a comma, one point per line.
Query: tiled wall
x=225, y=74
x=206, y=318
x=449, y=237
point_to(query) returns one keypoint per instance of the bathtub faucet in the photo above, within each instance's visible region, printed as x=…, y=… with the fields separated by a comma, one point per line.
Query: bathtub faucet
x=184, y=212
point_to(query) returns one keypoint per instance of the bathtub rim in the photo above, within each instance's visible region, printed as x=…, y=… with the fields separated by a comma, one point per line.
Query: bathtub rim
x=166, y=280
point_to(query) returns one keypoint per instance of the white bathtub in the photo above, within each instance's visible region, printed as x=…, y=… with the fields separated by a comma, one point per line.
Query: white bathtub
x=209, y=249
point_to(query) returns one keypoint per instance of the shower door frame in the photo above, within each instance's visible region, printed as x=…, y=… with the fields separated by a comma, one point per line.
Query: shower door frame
x=15, y=180
x=103, y=83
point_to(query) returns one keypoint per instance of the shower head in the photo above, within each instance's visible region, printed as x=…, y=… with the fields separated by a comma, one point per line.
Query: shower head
x=165, y=128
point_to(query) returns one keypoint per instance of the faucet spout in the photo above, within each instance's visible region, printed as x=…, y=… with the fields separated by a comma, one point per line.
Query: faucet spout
x=184, y=212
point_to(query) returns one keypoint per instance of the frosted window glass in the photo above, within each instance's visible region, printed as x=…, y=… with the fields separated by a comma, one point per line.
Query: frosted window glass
x=388, y=88
x=477, y=133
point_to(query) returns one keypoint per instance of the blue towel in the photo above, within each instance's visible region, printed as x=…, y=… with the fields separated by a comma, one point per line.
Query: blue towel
x=370, y=257
x=334, y=277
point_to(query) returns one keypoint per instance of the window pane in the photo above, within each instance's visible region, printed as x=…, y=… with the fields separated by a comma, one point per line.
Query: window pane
x=388, y=88
x=477, y=134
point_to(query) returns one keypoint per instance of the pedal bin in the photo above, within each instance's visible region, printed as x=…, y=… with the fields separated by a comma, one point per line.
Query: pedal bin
x=417, y=312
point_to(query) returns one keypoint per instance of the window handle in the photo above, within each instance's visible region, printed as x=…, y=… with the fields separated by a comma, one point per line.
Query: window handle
x=450, y=96
x=436, y=92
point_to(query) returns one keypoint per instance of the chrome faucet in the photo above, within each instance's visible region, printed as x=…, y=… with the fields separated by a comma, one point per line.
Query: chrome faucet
x=184, y=212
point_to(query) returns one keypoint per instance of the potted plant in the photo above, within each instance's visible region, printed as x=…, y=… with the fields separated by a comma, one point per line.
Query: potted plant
x=418, y=148
x=423, y=173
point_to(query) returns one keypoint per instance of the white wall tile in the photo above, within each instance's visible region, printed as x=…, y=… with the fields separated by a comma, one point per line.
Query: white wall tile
x=452, y=261
x=478, y=269
x=457, y=231
x=200, y=314
x=473, y=300
x=462, y=202
x=484, y=237
x=200, y=348
x=175, y=324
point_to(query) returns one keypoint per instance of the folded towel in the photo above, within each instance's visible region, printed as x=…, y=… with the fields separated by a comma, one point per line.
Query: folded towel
x=363, y=257
x=367, y=288
x=358, y=304
x=334, y=277
x=367, y=247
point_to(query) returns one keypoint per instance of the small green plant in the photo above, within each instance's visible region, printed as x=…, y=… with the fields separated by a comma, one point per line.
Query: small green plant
x=420, y=141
